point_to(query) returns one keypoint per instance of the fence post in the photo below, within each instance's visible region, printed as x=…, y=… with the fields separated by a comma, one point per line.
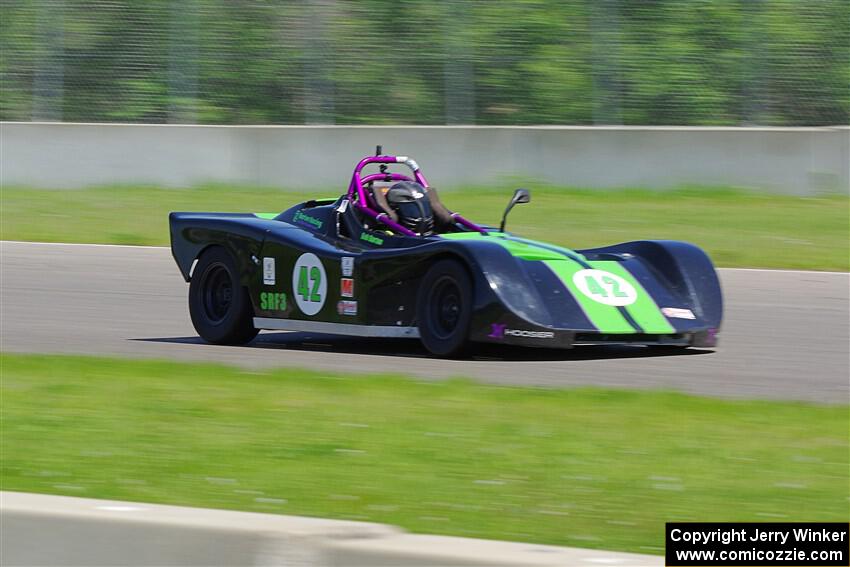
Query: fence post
x=49, y=73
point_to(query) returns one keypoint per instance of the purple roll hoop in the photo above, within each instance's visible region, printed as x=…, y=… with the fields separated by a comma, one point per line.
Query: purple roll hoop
x=357, y=193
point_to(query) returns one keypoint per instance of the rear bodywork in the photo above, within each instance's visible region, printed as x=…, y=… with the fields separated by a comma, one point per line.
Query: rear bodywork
x=524, y=292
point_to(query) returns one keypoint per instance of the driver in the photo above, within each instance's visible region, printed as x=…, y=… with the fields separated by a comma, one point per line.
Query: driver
x=409, y=201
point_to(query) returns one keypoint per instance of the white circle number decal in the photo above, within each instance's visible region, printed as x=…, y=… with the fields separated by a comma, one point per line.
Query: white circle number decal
x=605, y=287
x=309, y=284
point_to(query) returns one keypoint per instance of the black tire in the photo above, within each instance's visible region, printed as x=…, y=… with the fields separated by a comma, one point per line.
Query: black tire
x=220, y=308
x=444, y=308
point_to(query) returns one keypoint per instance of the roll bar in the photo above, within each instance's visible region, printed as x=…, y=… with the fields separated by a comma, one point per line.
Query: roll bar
x=357, y=193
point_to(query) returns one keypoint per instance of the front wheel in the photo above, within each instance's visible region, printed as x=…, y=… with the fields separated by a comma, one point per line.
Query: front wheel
x=444, y=308
x=219, y=306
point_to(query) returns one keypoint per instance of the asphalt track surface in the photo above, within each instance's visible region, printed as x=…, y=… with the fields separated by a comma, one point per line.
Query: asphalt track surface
x=786, y=335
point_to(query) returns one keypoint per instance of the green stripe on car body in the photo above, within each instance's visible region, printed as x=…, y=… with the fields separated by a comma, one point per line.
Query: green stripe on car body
x=523, y=250
x=606, y=318
x=571, y=254
x=519, y=247
x=267, y=216
x=565, y=263
x=644, y=310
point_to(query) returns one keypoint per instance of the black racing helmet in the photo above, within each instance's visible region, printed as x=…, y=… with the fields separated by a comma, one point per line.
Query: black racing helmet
x=410, y=202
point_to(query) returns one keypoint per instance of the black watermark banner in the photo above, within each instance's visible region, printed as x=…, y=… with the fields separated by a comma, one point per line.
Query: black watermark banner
x=765, y=544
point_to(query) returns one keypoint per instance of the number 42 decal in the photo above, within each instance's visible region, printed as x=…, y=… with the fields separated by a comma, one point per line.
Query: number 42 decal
x=304, y=290
x=609, y=282
x=605, y=287
x=309, y=283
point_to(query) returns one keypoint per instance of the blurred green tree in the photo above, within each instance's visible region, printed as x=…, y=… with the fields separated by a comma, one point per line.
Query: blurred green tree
x=704, y=62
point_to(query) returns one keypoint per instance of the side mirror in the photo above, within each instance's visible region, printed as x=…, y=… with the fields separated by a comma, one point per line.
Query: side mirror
x=520, y=196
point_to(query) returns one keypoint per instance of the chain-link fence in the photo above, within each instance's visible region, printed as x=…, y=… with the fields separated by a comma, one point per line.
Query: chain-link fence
x=700, y=62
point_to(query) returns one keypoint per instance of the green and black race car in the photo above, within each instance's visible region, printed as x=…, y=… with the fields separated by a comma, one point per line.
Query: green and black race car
x=388, y=259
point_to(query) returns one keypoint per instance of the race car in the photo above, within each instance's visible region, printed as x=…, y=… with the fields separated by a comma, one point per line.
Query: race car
x=389, y=259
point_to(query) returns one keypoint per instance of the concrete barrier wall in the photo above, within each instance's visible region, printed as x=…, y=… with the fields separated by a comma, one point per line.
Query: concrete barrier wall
x=61, y=531
x=787, y=160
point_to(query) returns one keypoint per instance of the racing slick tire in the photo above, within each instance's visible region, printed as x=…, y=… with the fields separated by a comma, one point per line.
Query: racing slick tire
x=444, y=307
x=219, y=307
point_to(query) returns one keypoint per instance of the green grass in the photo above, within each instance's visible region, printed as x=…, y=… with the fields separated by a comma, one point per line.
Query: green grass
x=585, y=467
x=738, y=229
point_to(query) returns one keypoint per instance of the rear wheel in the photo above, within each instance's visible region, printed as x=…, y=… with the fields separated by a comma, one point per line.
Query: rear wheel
x=218, y=305
x=444, y=308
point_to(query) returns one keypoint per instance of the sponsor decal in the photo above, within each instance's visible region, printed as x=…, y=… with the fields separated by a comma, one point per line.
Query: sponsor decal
x=346, y=287
x=497, y=330
x=309, y=283
x=604, y=287
x=501, y=330
x=273, y=301
x=530, y=334
x=371, y=239
x=346, y=307
x=676, y=313
x=347, y=266
x=268, y=271
x=307, y=219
